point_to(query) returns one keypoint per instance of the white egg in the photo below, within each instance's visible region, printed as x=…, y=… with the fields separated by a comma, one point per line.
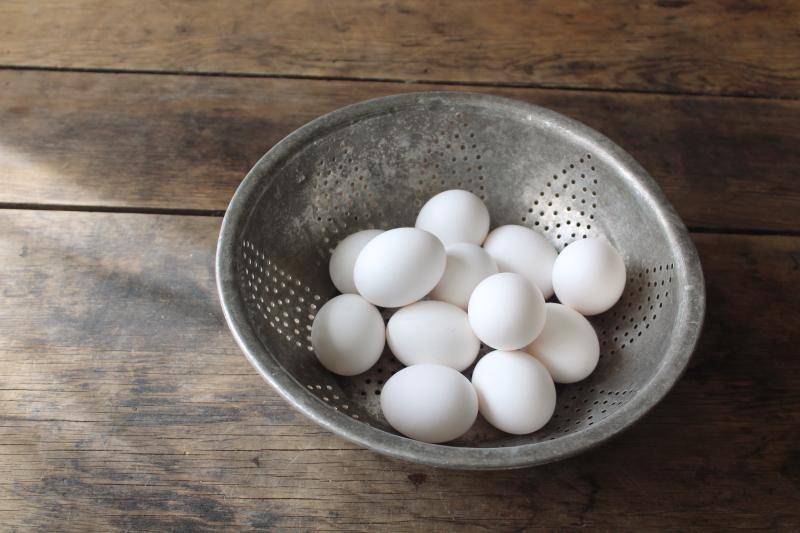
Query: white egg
x=455, y=216
x=515, y=392
x=432, y=332
x=431, y=403
x=567, y=345
x=524, y=251
x=506, y=311
x=399, y=267
x=589, y=276
x=467, y=265
x=348, y=335
x=343, y=259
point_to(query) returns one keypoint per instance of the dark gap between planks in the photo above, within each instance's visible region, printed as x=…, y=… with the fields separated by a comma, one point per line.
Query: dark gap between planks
x=463, y=83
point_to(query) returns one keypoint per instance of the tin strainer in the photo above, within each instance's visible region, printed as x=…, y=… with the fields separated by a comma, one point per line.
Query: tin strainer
x=372, y=165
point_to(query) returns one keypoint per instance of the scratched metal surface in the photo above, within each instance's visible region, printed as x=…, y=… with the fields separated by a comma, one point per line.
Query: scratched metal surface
x=372, y=165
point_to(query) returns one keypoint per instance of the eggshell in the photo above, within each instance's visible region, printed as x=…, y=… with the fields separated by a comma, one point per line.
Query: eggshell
x=515, y=392
x=431, y=403
x=467, y=265
x=455, y=216
x=343, y=259
x=399, y=267
x=567, y=346
x=348, y=335
x=523, y=251
x=506, y=311
x=432, y=332
x=589, y=276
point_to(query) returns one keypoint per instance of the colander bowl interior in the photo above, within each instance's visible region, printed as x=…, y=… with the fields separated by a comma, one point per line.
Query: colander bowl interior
x=372, y=165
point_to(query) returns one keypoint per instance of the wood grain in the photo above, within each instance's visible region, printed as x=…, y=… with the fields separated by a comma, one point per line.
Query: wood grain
x=125, y=405
x=726, y=47
x=185, y=142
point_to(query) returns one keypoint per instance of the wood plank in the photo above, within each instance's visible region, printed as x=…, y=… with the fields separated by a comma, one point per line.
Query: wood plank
x=675, y=46
x=185, y=142
x=127, y=406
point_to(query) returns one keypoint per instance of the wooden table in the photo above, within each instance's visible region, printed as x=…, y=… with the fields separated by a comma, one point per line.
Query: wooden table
x=125, y=128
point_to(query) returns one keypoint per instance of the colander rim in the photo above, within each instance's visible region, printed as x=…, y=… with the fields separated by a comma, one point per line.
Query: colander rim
x=684, y=335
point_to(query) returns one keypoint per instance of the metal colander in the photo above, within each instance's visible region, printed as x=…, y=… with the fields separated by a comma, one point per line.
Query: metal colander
x=372, y=165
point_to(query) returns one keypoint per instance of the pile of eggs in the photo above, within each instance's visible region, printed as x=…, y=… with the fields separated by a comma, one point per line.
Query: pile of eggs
x=454, y=285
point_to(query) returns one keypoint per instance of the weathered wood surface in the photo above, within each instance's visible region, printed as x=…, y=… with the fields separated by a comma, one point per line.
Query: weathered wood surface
x=179, y=142
x=125, y=405
x=728, y=47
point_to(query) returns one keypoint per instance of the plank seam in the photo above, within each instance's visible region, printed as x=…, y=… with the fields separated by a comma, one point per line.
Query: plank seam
x=115, y=209
x=399, y=81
